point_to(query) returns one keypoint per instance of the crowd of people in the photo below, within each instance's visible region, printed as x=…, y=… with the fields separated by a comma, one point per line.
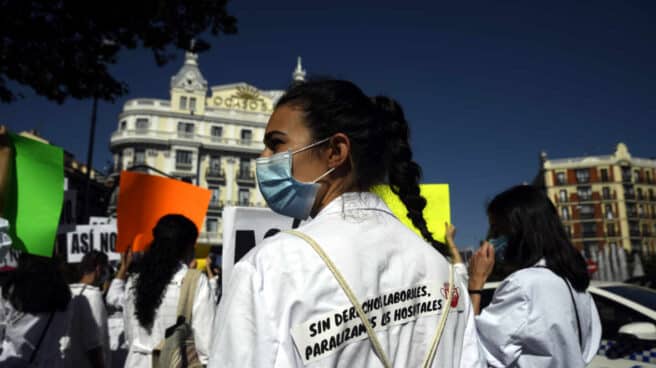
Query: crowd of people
x=351, y=287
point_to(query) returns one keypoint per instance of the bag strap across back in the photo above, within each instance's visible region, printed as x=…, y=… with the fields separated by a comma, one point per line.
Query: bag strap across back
x=188, y=293
x=430, y=356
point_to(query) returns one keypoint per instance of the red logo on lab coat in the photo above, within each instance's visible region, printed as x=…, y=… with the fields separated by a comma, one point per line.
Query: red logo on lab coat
x=445, y=294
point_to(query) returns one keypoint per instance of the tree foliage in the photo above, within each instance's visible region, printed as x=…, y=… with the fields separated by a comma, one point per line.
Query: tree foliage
x=63, y=48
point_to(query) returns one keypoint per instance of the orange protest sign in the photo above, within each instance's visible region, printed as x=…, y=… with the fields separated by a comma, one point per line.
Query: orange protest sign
x=143, y=199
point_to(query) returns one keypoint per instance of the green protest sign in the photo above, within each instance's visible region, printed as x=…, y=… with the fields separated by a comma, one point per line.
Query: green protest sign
x=35, y=195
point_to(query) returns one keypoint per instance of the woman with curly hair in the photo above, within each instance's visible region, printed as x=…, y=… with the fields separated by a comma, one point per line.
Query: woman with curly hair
x=154, y=289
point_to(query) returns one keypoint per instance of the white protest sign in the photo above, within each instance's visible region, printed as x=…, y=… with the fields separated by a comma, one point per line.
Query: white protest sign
x=243, y=229
x=86, y=238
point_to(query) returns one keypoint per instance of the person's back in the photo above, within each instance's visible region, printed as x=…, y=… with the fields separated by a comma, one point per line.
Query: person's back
x=327, y=145
x=92, y=334
x=35, y=313
x=152, y=293
x=548, y=335
x=398, y=278
x=141, y=340
x=21, y=333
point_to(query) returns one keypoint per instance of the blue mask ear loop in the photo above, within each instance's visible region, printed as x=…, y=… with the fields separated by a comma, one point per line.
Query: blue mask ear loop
x=292, y=153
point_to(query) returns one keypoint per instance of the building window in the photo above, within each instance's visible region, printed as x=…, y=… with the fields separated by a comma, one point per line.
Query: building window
x=604, y=175
x=192, y=103
x=215, y=164
x=183, y=102
x=565, y=213
x=245, y=168
x=583, y=176
x=634, y=228
x=645, y=230
x=653, y=211
x=216, y=193
x=586, y=210
x=563, y=195
x=609, y=211
x=123, y=125
x=589, y=230
x=212, y=225
x=648, y=177
x=246, y=136
x=143, y=124
x=568, y=230
x=651, y=195
x=585, y=193
x=560, y=178
x=185, y=130
x=183, y=160
x=244, y=196
x=216, y=132
x=628, y=192
x=641, y=210
x=610, y=230
x=640, y=197
x=605, y=192
x=626, y=174
x=631, y=210
x=636, y=176
x=139, y=156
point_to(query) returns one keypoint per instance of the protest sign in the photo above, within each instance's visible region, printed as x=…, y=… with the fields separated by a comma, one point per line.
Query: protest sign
x=143, y=199
x=95, y=220
x=35, y=195
x=86, y=238
x=243, y=229
x=436, y=212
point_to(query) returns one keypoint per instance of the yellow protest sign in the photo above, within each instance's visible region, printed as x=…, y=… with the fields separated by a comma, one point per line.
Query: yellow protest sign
x=436, y=212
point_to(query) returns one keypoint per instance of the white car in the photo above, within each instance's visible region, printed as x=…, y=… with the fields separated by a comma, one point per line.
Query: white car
x=628, y=321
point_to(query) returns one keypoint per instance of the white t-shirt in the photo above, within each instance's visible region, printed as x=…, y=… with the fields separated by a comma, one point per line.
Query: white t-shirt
x=91, y=298
x=118, y=344
x=20, y=333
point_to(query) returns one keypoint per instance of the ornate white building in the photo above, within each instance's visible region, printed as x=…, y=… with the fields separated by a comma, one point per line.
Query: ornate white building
x=208, y=141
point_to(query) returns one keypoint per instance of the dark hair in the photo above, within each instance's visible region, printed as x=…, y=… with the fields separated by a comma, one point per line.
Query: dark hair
x=174, y=237
x=36, y=286
x=92, y=260
x=379, y=137
x=530, y=221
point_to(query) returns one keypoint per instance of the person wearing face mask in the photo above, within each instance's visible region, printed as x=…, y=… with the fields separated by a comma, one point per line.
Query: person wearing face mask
x=540, y=315
x=94, y=270
x=353, y=286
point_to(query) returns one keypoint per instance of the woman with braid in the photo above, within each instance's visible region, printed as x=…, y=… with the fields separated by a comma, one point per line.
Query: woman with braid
x=353, y=286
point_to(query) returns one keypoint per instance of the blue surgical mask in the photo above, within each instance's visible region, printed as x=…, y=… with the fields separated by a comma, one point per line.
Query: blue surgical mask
x=499, y=243
x=284, y=194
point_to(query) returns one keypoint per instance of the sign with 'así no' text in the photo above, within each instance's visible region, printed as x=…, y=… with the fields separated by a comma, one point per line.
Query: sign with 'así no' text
x=86, y=238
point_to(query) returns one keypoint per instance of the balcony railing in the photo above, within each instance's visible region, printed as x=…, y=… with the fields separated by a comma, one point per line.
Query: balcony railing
x=160, y=135
x=245, y=177
x=184, y=166
x=215, y=174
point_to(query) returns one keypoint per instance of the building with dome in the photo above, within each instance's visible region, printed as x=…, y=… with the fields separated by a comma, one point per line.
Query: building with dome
x=208, y=136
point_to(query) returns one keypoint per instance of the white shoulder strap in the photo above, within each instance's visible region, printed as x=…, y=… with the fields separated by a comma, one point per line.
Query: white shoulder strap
x=358, y=307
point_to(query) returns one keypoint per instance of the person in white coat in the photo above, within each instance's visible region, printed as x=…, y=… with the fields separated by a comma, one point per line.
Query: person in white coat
x=153, y=291
x=540, y=315
x=326, y=145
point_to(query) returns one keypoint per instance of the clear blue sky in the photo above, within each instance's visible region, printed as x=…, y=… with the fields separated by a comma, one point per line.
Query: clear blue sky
x=486, y=85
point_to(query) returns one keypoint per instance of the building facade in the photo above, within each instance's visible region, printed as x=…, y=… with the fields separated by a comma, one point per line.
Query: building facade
x=210, y=140
x=604, y=200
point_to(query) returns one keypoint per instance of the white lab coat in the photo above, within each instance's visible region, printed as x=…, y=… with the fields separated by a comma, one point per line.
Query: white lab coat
x=278, y=291
x=142, y=343
x=531, y=323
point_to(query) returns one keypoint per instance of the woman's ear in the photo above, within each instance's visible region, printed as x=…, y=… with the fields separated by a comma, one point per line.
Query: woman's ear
x=339, y=150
